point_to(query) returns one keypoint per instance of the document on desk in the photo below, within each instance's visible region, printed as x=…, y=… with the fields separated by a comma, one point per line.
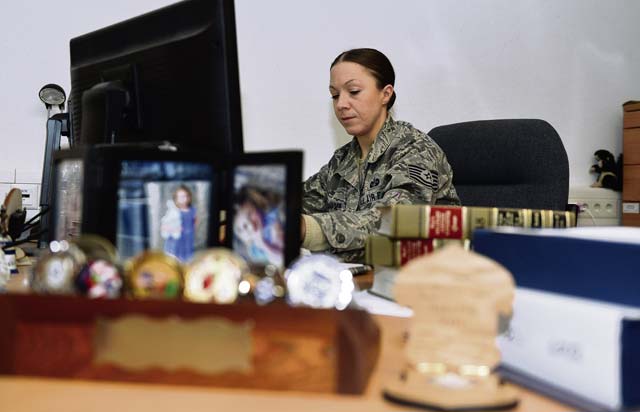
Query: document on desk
x=377, y=305
x=374, y=303
x=588, y=349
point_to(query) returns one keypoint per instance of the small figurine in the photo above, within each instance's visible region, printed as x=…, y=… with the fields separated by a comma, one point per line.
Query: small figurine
x=608, y=176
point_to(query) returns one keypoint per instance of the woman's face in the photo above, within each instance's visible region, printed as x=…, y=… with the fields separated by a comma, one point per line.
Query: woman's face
x=358, y=104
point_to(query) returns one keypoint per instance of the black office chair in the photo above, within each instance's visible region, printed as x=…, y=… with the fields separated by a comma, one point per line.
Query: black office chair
x=519, y=163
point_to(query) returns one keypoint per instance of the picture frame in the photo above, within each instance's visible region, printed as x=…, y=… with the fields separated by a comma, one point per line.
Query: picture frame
x=263, y=203
x=128, y=191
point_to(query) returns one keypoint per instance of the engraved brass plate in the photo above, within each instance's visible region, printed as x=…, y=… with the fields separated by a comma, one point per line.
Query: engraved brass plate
x=208, y=346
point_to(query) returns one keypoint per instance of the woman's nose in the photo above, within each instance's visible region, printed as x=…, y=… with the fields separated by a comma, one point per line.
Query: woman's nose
x=342, y=103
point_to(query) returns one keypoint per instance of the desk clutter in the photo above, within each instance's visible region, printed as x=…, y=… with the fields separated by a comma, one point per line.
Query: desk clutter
x=573, y=335
x=208, y=321
x=88, y=266
x=142, y=197
x=231, y=304
x=169, y=266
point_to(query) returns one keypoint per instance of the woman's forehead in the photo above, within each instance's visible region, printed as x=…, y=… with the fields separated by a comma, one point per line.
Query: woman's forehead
x=348, y=72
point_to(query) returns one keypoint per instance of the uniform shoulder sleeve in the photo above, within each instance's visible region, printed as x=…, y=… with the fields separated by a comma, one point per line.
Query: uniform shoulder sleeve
x=314, y=192
x=419, y=165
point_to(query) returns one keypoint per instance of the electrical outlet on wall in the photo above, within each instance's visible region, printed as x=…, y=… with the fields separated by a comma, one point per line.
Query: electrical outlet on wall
x=28, y=181
x=30, y=194
x=598, y=206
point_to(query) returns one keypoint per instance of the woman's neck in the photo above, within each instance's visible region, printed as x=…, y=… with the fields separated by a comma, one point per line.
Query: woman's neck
x=366, y=141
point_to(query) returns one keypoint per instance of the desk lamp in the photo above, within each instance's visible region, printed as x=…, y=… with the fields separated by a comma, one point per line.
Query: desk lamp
x=57, y=125
x=52, y=95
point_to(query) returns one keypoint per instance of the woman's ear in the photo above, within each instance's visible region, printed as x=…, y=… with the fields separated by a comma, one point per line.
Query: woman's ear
x=387, y=92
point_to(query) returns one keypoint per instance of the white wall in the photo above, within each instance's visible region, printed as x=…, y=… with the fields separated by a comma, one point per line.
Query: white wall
x=571, y=62
x=34, y=51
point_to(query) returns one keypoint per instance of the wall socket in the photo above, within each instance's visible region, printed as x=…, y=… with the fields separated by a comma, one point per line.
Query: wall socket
x=29, y=184
x=598, y=206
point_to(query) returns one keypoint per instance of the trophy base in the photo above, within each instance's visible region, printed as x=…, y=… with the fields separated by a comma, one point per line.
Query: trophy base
x=416, y=390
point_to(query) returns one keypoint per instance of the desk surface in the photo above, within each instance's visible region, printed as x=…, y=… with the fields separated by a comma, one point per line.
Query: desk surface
x=40, y=394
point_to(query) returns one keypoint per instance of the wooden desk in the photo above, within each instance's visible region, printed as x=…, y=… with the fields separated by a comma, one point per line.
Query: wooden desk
x=19, y=394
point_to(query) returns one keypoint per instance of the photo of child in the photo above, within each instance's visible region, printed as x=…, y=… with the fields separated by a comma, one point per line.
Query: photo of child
x=178, y=217
x=163, y=205
x=177, y=226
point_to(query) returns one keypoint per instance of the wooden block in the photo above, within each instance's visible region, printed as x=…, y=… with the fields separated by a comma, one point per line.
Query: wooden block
x=631, y=106
x=631, y=219
x=631, y=119
x=631, y=146
x=631, y=213
x=631, y=183
x=298, y=349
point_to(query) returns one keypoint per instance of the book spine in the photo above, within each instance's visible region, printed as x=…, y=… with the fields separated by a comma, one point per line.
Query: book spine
x=445, y=222
x=563, y=219
x=405, y=250
x=383, y=251
x=459, y=222
x=406, y=221
x=512, y=217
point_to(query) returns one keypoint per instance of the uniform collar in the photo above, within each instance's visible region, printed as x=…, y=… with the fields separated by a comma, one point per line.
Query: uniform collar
x=349, y=171
x=383, y=140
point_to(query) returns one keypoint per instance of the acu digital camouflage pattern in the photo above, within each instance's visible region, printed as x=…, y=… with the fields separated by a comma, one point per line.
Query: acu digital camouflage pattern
x=403, y=166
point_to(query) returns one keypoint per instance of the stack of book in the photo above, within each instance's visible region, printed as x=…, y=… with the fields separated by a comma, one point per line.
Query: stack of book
x=410, y=231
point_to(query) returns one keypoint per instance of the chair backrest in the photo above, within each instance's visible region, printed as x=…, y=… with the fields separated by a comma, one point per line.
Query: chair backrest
x=519, y=163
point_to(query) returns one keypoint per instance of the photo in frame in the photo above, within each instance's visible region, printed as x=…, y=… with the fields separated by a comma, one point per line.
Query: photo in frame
x=264, y=207
x=141, y=197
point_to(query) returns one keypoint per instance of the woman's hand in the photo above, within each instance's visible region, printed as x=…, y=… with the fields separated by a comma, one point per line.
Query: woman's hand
x=303, y=229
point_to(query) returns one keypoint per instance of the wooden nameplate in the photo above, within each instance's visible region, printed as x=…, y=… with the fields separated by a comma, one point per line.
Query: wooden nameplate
x=174, y=342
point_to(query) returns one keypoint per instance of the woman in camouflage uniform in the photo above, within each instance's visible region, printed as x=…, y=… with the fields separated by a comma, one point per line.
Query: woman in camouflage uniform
x=387, y=162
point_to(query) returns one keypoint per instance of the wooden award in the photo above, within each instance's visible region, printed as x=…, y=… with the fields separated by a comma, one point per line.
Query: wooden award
x=459, y=299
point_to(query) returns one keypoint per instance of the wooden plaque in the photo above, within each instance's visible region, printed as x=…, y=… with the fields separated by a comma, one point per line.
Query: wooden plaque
x=243, y=345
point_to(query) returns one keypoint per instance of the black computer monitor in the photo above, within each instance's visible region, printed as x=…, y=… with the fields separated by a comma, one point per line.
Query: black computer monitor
x=168, y=75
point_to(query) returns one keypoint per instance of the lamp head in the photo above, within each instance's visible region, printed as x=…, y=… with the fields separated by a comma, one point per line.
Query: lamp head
x=52, y=95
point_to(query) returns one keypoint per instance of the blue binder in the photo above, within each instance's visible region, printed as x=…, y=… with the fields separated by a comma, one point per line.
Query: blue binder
x=594, y=269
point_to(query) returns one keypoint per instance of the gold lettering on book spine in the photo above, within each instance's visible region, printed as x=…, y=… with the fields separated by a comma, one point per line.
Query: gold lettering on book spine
x=416, y=221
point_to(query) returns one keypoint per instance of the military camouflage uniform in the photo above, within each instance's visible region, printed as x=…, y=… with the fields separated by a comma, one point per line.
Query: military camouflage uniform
x=404, y=165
